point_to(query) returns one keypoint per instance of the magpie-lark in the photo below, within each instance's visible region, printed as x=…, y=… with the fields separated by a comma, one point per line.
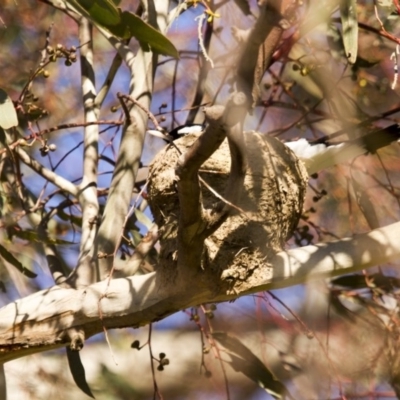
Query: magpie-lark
x=319, y=154
x=177, y=132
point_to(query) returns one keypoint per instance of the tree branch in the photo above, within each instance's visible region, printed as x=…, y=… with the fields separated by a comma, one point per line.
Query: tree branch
x=141, y=68
x=46, y=173
x=192, y=222
x=43, y=320
x=194, y=226
x=88, y=194
x=259, y=48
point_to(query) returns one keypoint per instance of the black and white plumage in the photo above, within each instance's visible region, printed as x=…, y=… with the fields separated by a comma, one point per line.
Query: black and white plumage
x=177, y=132
x=319, y=155
x=183, y=130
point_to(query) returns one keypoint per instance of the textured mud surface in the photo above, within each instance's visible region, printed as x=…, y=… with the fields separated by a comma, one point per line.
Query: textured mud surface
x=272, y=202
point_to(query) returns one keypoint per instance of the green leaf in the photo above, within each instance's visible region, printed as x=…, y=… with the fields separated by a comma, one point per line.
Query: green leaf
x=350, y=281
x=143, y=219
x=103, y=12
x=136, y=237
x=245, y=361
x=132, y=25
x=124, y=25
x=8, y=115
x=348, y=15
x=13, y=261
x=78, y=371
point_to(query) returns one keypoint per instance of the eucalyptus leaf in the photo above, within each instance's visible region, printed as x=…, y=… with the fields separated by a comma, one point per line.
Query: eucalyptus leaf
x=8, y=115
x=132, y=25
x=103, y=12
x=385, y=3
x=124, y=25
x=136, y=237
x=78, y=371
x=245, y=361
x=350, y=281
x=348, y=15
x=143, y=218
x=17, y=264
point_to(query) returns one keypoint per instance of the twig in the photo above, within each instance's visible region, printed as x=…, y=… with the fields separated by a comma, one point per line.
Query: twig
x=147, y=111
x=201, y=19
x=204, y=68
x=47, y=174
x=156, y=390
x=220, y=197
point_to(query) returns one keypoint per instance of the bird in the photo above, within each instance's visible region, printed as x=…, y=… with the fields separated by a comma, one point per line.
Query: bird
x=316, y=155
x=177, y=132
x=320, y=154
x=183, y=130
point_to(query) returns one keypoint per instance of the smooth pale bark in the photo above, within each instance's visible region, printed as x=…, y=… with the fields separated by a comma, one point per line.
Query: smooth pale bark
x=58, y=316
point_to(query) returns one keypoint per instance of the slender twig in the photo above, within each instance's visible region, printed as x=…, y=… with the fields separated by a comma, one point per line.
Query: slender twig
x=310, y=335
x=201, y=19
x=47, y=174
x=35, y=135
x=30, y=205
x=204, y=67
x=220, y=197
x=156, y=390
x=217, y=351
x=146, y=110
x=306, y=330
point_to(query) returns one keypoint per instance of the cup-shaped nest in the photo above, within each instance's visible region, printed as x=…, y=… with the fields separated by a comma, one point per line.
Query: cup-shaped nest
x=271, y=203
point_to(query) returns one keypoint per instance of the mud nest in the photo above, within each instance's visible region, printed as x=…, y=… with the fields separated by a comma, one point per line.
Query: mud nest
x=272, y=202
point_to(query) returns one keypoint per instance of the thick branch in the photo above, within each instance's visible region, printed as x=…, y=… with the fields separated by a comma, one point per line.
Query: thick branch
x=194, y=227
x=105, y=88
x=259, y=48
x=43, y=320
x=187, y=173
x=141, y=68
x=192, y=224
